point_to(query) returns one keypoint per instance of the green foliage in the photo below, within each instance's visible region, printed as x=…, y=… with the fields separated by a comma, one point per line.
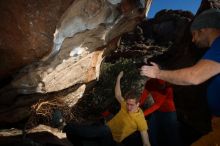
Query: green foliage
x=103, y=92
x=110, y=72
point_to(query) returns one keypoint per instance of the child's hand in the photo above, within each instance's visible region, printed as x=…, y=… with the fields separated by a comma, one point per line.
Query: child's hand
x=120, y=75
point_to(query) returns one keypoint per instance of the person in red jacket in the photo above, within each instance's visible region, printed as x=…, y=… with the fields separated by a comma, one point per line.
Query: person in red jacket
x=163, y=123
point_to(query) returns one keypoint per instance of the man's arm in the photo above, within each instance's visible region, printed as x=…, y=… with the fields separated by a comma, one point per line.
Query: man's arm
x=118, y=95
x=145, y=138
x=194, y=75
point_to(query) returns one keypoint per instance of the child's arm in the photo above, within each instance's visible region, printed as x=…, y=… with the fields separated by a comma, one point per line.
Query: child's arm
x=145, y=138
x=118, y=95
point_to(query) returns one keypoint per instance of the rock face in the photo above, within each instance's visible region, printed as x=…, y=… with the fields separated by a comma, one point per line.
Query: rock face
x=208, y=4
x=81, y=35
x=82, y=15
x=40, y=135
x=78, y=53
x=26, y=29
x=62, y=43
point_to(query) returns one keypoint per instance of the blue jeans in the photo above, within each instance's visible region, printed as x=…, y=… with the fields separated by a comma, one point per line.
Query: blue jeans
x=133, y=140
x=164, y=129
x=97, y=132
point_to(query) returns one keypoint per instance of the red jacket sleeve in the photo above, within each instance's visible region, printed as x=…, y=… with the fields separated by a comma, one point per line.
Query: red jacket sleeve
x=158, y=102
x=144, y=96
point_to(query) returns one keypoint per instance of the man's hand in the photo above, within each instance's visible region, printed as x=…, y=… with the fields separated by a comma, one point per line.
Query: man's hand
x=150, y=71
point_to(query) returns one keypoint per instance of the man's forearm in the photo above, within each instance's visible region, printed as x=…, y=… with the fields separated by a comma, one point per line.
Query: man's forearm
x=178, y=77
x=194, y=75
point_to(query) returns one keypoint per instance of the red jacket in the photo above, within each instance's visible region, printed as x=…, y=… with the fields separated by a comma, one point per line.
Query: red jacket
x=162, y=94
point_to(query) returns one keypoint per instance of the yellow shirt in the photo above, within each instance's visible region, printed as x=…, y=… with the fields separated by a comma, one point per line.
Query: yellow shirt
x=124, y=124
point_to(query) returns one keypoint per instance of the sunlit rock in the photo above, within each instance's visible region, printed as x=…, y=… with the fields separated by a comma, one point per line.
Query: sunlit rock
x=84, y=27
